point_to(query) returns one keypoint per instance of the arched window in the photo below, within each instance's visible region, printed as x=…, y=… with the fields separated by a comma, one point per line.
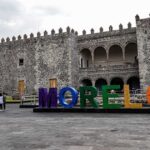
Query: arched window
x=99, y=83
x=86, y=58
x=115, y=53
x=131, y=52
x=117, y=81
x=100, y=55
x=86, y=82
x=134, y=83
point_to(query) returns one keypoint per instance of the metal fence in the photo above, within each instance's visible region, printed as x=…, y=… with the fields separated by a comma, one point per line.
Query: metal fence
x=31, y=99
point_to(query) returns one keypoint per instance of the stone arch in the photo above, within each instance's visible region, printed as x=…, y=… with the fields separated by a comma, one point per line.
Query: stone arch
x=99, y=45
x=129, y=41
x=131, y=52
x=115, y=53
x=115, y=43
x=86, y=82
x=82, y=48
x=100, y=55
x=134, y=83
x=117, y=81
x=85, y=58
x=99, y=83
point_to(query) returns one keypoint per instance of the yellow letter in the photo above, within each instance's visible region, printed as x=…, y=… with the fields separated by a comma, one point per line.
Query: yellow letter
x=127, y=103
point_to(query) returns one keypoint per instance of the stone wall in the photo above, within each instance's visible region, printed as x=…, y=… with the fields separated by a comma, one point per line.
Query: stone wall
x=143, y=40
x=58, y=56
x=53, y=60
x=45, y=57
x=11, y=72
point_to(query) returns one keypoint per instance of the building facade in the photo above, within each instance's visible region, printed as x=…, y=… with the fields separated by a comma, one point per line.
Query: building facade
x=112, y=57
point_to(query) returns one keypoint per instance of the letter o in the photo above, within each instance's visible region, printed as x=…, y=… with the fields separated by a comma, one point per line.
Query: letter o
x=74, y=94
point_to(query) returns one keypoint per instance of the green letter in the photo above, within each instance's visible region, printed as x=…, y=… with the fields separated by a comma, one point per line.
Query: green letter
x=88, y=92
x=106, y=95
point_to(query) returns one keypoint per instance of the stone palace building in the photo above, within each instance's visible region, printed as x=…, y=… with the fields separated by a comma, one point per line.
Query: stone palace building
x=109, y=57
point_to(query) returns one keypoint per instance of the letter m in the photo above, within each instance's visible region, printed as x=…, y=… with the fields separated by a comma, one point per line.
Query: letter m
x=46, y=99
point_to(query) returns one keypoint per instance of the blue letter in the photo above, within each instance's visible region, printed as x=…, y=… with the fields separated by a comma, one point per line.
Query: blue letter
x=74, y=94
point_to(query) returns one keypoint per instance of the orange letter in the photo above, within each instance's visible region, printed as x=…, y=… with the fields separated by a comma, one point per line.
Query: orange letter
x=148, y=95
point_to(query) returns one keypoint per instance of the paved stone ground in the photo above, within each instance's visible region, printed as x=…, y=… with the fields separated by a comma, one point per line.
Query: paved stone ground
x=21, y=129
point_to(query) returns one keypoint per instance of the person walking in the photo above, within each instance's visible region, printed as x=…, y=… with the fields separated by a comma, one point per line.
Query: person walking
x=1, y=102
x=4, y=101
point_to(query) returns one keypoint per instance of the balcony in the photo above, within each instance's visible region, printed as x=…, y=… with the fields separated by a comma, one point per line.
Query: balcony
x=109, y=69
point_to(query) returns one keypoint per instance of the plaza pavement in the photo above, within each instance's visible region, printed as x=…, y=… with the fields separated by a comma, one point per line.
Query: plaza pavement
x=21, y=129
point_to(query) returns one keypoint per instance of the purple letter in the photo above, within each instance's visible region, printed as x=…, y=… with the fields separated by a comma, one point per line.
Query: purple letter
x=48, y=99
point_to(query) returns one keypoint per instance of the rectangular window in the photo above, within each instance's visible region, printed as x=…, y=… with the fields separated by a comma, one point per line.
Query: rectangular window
x=81, y=63
x=21, y=62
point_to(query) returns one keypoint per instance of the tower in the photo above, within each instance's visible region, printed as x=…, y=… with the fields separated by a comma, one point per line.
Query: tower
x=143, y=43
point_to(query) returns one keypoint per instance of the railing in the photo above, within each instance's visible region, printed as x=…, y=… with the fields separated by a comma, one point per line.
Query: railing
x=138, y=96
x=32, y=99
x=110, y=69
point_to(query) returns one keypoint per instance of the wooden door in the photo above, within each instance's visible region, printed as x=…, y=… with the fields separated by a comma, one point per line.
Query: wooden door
x=21, y=87
x=53, y=83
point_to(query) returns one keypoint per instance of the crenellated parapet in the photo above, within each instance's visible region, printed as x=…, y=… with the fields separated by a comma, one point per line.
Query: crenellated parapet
x=31, y=38
x=129, y=25
x=31, y=35
x=68, y=30
x=72, y=31
x=52, y=32
x=92, y=31
x=19, y=37
x=111, y=32
x=83, y=32
x=54, y=36
x=101, y=29
x=76, y=33
x=110, y=28
x=45, y=33
x=60, y=34
x=120, y=27
x=7, y=39
x=25, y=37
x=13, y=38
x=2, y=40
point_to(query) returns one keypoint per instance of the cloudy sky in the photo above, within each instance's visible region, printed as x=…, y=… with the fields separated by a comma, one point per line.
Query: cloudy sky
x=26, y=16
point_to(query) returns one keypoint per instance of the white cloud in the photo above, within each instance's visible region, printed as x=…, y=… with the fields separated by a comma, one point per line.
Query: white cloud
x=22, y=16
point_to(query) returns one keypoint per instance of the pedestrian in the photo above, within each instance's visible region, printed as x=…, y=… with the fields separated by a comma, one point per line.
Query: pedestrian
x=1, y=101
x=4, y=100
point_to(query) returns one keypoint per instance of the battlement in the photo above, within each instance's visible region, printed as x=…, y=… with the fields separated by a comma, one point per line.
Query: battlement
x=54, y=36
x=111, y=32
x=144, y=23
x=32, y=38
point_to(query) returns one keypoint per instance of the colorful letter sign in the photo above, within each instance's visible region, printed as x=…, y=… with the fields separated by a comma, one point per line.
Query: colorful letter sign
x=148, y=95
x=88, y=93
x=107, y=95
x=127, y=103
x=74, y=94
x=49, y=99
